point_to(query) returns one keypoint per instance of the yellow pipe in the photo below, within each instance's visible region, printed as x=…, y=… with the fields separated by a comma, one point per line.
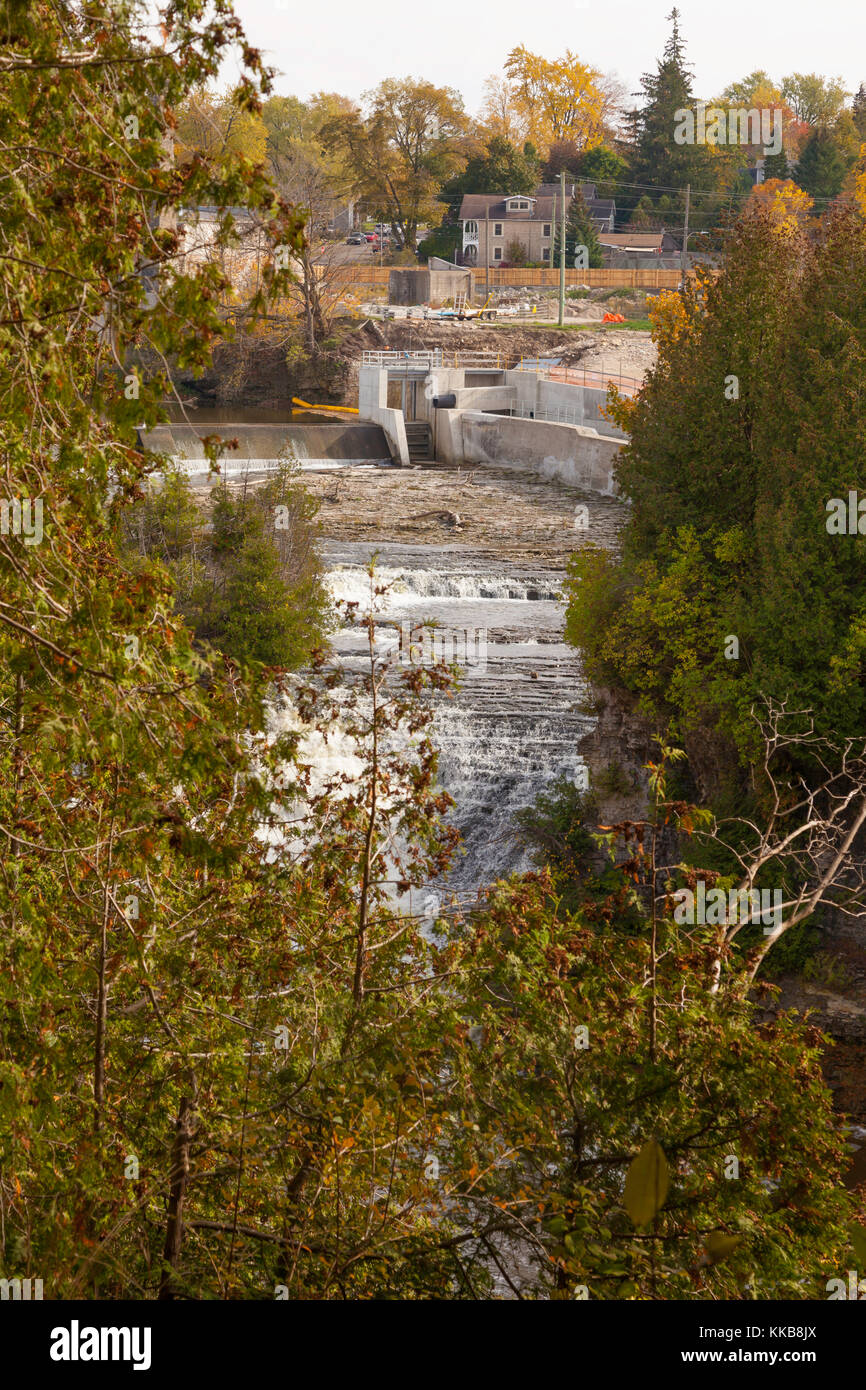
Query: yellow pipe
x=348, y=409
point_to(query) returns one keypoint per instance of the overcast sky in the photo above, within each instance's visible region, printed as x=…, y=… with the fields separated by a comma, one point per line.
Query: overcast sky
x=348, y=46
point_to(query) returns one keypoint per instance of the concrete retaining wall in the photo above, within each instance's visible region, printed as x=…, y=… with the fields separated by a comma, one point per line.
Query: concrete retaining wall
x=575, y=455
x=373, y=405
x=584, y=403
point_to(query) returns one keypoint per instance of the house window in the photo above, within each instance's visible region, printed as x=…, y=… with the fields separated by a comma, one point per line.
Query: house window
x=546, y=229
x=497, y=229
x=519, y=205
x=545, y=255
x=497, y=253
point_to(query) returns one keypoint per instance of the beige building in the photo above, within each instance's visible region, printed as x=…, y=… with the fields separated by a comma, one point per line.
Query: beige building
x=492, y=222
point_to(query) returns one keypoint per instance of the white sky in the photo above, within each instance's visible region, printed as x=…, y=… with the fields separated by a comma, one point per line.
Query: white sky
x=348, y=46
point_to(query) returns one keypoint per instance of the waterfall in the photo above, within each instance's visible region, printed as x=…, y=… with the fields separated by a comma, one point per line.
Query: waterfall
x=513, y=726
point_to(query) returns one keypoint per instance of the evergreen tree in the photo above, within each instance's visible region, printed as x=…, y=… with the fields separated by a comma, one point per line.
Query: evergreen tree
x=502, y=168
x=776, y=166
x=579, y=231
x=858, y=110
x=758, y=385
x=658, y=161
x=823, y=165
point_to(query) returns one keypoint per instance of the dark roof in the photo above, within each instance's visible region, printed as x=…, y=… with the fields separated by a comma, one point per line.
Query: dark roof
x=547, y=190
x=479, y=205
x=494, y=205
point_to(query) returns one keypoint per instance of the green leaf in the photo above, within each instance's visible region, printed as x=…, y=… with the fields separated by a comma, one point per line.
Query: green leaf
x=719, y=1245
x=858, y=1241
x=646, y=1184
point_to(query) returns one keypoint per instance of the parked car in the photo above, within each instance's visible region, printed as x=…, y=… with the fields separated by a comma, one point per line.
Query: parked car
x=354, y=240
x=371, y=236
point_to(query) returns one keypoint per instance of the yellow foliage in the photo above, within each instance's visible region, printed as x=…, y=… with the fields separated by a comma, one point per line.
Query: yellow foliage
x=788, y=204
x=669, y=320
x=557, y=100
x=502, y=114
x=219, y=128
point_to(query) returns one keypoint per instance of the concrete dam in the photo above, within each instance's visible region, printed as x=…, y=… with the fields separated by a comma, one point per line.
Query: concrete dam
x=261, y=445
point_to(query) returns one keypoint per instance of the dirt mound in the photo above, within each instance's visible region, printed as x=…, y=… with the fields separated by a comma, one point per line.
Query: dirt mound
x=627, y=351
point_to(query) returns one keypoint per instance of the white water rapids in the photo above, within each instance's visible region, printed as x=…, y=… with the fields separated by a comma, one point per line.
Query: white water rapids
x=513, y=727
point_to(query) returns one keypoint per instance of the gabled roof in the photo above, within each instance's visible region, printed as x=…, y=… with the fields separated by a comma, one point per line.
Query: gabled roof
x=477, y=206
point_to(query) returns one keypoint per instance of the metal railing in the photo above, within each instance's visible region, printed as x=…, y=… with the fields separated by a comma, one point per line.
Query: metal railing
x=558, y=415
x=597, y=378
x=562, y=415
x=405, y=361
x=437, y=357
x=427, y=359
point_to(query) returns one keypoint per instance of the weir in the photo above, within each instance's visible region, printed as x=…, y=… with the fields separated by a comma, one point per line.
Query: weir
x=261, y=446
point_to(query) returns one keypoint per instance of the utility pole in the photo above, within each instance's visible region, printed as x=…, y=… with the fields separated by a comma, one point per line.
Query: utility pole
x=486, y=252
x=553, y=234
x=562, y=251
x=684, y=262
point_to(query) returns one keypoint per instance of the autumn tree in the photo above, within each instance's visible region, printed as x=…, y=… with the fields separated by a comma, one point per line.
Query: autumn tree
x=502, y=112
x=220, y=128
x=785, y=202
x=621, y=1043
x=814, y=99
x=559, y=99
x=409, y=142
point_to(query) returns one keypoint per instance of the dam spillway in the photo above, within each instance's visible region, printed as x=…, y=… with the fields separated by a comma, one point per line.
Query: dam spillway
x=262, y=445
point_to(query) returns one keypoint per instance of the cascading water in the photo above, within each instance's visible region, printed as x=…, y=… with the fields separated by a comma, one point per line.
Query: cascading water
x=512, y=727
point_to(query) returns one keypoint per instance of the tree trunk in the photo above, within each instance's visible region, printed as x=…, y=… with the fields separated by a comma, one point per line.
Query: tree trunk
x=179, y=1177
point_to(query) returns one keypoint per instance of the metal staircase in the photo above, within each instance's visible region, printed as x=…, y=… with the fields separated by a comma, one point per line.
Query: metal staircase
x=419, y=441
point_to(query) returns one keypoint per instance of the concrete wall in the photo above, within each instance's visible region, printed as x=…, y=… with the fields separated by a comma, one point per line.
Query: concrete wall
x=441, y=381
x=373, y=405
x=260, y=447
x=539, y=394
x=418, y=286
x=573, y=454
